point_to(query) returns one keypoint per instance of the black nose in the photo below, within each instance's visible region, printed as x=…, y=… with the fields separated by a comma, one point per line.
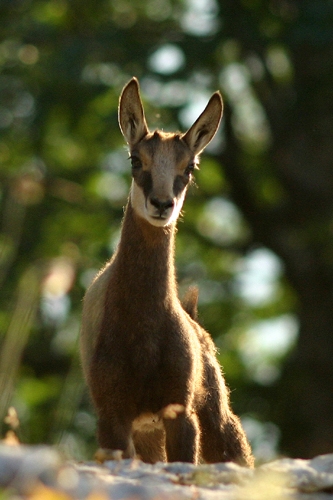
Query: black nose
x=161, y=206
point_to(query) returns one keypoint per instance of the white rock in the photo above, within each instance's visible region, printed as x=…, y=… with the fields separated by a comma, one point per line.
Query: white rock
x=23, y=468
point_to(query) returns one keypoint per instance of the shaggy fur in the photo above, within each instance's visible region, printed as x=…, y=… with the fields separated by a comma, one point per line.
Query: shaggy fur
x=150, y=367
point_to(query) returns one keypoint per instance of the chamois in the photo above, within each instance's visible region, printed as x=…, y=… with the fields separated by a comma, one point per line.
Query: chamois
x=151, y=368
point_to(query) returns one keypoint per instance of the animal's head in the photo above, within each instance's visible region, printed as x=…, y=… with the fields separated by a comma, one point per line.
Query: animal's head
x=163, y=163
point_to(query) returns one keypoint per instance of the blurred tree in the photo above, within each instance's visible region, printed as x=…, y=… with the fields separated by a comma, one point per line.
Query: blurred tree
x=266, y=184
x=294, y=42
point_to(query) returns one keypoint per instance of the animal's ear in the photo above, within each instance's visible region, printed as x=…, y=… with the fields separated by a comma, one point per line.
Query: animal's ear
x=205, y=127
x=131, y=116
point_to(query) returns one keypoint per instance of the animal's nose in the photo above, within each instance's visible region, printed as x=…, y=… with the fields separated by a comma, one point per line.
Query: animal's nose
x=161, y=206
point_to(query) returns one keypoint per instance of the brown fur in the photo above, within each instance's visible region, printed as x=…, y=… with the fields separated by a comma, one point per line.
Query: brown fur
x=151, y=368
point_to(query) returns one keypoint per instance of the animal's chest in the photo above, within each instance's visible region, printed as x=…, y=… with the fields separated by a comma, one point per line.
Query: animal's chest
x=144, y=345
x=144, y=355
x=151, y=340
x=132, y=348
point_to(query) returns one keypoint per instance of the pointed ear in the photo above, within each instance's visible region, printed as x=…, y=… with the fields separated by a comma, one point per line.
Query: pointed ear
x=131, y=116
x=205, y=127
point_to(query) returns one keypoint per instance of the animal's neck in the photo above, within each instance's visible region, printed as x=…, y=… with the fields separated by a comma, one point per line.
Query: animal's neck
x=144, y=264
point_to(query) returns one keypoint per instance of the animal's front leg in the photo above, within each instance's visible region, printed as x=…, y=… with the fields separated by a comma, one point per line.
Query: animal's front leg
x=182, y=438
x=115, y=434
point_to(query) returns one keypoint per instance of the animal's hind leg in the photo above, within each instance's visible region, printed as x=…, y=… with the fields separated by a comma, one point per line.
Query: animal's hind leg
x=150, y=446
x=222, y=436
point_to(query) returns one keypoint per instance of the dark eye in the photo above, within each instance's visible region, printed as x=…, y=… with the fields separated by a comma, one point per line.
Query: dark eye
x=189, y=169
x=136, y=162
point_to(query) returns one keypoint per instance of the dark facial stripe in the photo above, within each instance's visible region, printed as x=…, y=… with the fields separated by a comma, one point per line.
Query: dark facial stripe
x=144, y=180
x=179, y=184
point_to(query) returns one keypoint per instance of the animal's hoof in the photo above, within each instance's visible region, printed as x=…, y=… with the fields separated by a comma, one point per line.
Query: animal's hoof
x=104, y=454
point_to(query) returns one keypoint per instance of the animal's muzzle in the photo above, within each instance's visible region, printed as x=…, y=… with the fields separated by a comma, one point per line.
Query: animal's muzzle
x=161, y=206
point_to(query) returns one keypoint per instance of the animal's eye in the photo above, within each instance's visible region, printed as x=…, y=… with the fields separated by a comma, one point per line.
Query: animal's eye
x=189, y=169
x=136, y=162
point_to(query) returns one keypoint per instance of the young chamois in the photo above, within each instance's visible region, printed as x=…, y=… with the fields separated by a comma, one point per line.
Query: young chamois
x=151, y=368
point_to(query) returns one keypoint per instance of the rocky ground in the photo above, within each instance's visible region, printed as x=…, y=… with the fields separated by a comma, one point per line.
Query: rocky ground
x=40, y=473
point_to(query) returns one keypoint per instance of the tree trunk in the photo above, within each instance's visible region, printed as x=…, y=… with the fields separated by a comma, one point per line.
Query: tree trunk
x=304, y=405
x=299, y=227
